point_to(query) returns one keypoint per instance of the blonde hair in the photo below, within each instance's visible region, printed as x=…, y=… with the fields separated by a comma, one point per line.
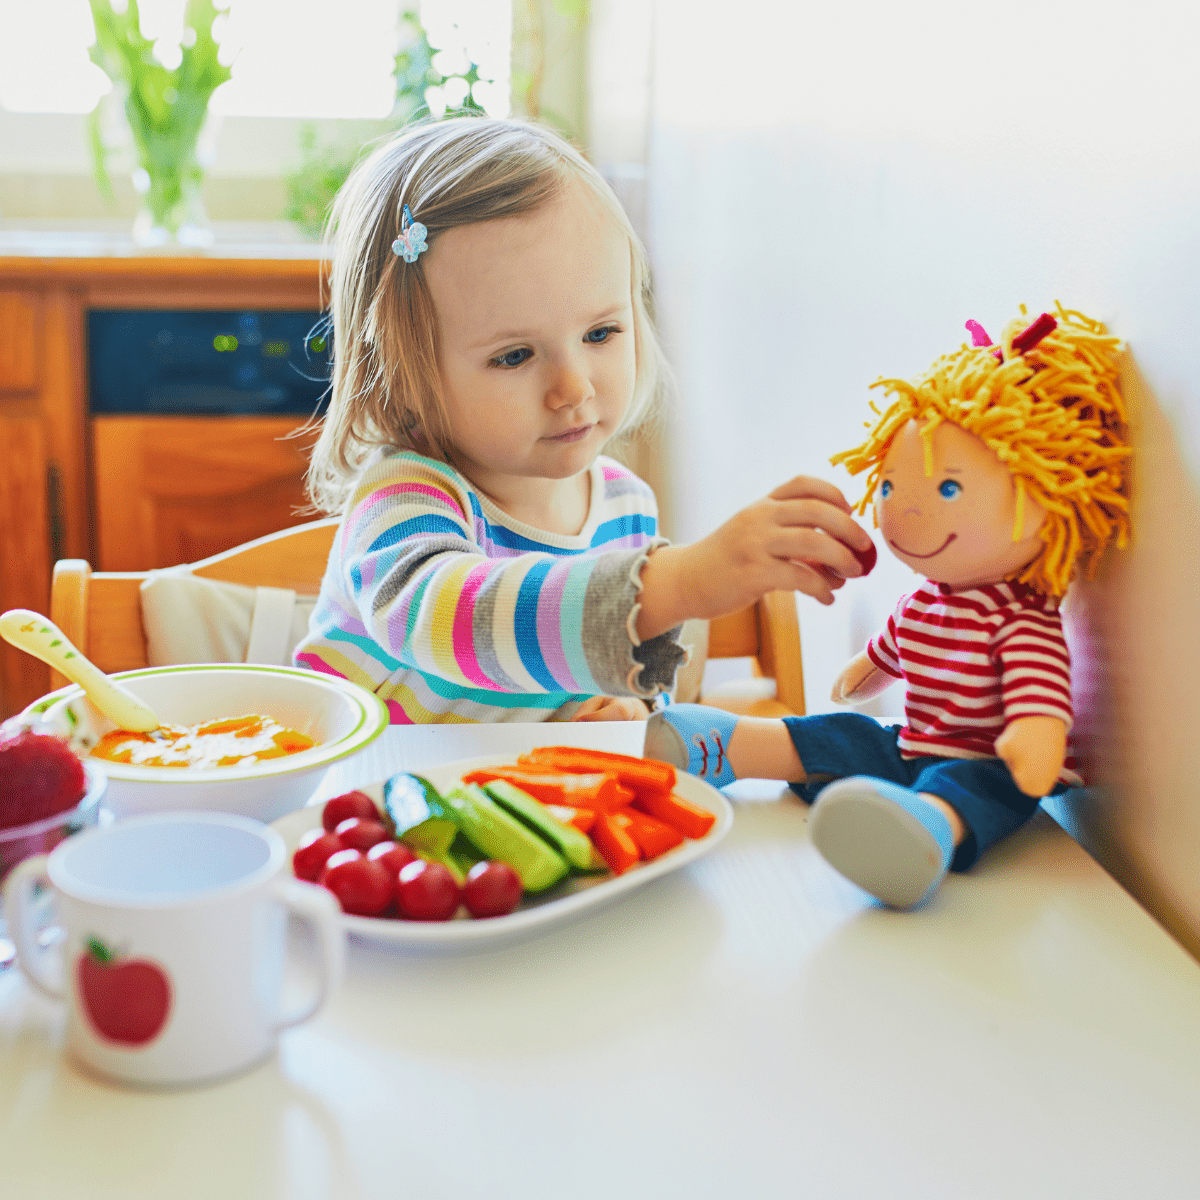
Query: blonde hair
x=1054, y=417
x=386, y=388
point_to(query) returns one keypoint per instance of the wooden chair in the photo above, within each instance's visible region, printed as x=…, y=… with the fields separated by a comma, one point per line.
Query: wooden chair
x=101, y=611
x=768, y=633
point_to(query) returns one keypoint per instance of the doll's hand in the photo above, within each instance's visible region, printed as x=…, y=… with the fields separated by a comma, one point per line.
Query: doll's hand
x=799, y=538
x=611, y=708
x=859, y=681
x=1033, y=749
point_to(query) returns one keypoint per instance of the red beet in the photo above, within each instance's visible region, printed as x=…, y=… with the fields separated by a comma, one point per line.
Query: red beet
x=866, y=558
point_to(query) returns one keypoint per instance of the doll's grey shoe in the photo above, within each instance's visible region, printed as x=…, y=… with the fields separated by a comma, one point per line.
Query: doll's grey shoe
x=884, y=838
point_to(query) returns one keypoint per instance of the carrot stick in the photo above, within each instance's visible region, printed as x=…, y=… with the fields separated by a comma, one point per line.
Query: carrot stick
x=652, y=837
x=616, y=847
x=641, y=774
x=582, y=818
x=597, y=791
x=690, y=819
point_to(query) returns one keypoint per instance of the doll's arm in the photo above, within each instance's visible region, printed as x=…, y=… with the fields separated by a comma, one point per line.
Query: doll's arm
x=1033, y=749
x=859, y=681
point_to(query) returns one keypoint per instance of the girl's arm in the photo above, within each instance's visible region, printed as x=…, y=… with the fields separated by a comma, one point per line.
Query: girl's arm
x=427, y=585
x=799, y=538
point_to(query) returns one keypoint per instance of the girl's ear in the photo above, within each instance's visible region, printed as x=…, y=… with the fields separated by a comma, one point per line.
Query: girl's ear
x=410, y=423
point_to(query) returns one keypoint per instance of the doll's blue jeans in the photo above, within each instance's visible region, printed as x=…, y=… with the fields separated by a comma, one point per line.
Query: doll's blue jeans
x=980, y=790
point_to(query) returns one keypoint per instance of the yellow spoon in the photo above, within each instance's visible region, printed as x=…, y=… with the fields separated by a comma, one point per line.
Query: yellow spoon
x=39, y=636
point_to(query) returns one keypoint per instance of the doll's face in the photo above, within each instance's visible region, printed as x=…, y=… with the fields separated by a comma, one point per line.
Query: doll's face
x=956, y=525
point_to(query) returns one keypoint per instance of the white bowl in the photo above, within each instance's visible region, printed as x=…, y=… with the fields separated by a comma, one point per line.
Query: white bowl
x=340, y=716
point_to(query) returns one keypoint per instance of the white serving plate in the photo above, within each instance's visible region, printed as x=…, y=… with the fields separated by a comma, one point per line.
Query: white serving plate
x=575, y=897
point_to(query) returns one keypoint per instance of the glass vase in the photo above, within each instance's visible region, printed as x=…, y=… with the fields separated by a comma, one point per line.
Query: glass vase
x=172, y=209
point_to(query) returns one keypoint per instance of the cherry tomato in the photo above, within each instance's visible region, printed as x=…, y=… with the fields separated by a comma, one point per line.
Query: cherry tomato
x=493, y=889
x=351, y=804
x=394, y=855
x=427, y=891
x=357, y=833
x=312, y=853
x=363, y=887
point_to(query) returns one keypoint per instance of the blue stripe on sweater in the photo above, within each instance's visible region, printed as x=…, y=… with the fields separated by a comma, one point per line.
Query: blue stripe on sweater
x=525, y=620
x=366, y=644
x=425, y=524
x=500, y=536
x=626, y=526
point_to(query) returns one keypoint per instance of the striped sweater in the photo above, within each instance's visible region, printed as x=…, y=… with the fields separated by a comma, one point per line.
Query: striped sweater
x=974, y=661
x=452, y=611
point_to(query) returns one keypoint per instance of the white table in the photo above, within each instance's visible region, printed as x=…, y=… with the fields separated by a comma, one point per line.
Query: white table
x=749, y=1027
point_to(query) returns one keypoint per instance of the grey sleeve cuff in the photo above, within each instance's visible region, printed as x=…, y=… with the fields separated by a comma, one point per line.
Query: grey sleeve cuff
x=626, y=666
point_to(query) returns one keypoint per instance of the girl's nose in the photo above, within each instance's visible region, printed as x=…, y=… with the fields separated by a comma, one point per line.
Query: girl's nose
x=568, y=389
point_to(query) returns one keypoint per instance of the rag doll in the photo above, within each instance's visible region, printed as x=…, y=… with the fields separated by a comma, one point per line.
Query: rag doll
x=999, y=476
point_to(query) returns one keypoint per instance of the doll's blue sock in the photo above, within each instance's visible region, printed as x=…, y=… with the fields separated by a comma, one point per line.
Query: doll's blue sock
x=695, y=739
x=883, y=837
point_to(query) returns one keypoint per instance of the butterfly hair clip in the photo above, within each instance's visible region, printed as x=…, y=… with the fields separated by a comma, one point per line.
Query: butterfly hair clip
x=411, y=241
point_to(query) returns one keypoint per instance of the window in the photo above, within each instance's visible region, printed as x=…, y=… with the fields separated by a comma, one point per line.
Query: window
x=290, y=58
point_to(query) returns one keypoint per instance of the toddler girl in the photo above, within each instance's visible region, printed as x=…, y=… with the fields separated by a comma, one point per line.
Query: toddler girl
x=491, y=335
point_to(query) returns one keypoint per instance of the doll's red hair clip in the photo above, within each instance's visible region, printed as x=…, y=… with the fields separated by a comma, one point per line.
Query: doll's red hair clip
x=1022, y=343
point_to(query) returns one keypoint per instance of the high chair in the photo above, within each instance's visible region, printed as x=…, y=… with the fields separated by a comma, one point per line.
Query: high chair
x=768, y=633
x=101, y=611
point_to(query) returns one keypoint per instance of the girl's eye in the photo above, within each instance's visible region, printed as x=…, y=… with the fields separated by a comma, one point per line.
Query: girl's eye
x=949, y=489
x=885, y=488
x=512, y=358
x=598, y=337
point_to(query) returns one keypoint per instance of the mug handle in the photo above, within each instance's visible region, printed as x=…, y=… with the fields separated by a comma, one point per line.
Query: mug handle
x=18, y=912
x=321, y=910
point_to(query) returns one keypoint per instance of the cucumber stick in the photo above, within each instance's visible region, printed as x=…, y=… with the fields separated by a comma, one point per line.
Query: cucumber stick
x=418, y=814
x=501, y=836
x=574, y=846
x=423, y=823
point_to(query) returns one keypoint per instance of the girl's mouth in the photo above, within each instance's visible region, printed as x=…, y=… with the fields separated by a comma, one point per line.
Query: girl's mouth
x=910, y=554
x=572, y=435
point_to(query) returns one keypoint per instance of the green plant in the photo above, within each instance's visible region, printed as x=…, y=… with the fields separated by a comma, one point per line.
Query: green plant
x=323, y=168
x=165, y=109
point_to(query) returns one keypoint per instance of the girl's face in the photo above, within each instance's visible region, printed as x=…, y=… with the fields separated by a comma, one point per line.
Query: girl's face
x=536, y=340
x=956, y=525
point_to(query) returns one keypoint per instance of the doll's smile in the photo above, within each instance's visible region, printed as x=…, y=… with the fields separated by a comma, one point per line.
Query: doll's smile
x=910, y=554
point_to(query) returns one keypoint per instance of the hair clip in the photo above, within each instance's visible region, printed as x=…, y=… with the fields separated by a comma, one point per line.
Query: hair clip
x=411, y=241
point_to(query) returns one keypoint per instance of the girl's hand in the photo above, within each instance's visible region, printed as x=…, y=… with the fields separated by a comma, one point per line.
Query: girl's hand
x=799, y=538
x=611, y=708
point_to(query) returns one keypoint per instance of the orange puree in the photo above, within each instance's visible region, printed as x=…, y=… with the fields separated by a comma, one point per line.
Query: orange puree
x=225, y=743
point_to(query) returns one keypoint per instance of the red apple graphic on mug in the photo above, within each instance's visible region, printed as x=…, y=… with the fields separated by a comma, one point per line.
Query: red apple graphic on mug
x=126, y=999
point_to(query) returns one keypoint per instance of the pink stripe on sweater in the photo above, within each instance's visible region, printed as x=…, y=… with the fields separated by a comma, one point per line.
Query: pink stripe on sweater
x=464, y=627
x=402, y=489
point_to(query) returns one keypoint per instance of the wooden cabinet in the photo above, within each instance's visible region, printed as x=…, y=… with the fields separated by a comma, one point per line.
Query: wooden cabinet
x=127, y=493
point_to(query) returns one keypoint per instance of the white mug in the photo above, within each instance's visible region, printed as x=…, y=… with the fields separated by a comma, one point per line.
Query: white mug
x=175, y=943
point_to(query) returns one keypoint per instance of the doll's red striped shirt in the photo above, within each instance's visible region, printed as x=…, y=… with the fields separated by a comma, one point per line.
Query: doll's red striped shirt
x=973, y=661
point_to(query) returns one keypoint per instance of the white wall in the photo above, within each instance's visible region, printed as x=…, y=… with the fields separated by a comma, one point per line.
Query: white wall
x=835, y=189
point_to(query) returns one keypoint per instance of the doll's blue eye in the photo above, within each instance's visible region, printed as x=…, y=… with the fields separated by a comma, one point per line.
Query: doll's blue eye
x=885, y=488
x=949, y=489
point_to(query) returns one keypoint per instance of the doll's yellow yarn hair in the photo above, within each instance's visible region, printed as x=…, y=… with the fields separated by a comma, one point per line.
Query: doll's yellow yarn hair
x=1053, y=416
